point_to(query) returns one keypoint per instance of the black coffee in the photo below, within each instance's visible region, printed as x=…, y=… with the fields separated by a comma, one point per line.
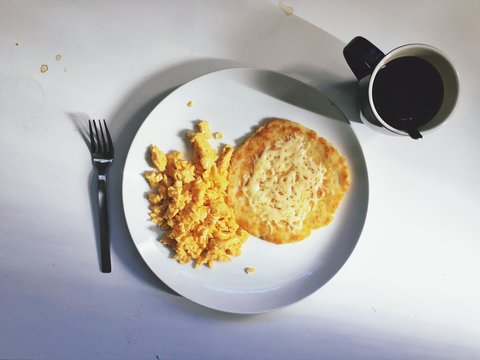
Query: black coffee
x=407, y=92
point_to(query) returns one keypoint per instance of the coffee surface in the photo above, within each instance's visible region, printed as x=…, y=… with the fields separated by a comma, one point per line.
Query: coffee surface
x=408, y=92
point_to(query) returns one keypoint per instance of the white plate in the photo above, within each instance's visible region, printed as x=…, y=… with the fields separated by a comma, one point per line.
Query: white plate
x=234, y=101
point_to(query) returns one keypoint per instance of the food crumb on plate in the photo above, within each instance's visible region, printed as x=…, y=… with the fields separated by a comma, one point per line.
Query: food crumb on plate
x=249, y=270
x=189, y=104
x=44, y=68
x=218, y=135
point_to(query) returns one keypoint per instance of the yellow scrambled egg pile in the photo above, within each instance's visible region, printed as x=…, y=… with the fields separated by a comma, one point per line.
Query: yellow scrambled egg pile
x=189, y=201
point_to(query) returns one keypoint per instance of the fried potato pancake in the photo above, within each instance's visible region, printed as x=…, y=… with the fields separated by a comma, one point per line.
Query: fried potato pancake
x=285, y=181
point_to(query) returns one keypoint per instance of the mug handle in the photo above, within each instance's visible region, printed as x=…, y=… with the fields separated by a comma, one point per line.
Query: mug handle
x=362, y=56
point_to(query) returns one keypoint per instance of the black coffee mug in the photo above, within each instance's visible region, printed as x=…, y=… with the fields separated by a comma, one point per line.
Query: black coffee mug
x=409, y=91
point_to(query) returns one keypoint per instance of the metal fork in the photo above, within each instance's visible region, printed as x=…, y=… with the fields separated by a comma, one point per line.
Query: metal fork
x=101, y=148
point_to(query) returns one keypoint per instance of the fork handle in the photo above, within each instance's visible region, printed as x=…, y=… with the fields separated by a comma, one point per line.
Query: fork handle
x=106, y=266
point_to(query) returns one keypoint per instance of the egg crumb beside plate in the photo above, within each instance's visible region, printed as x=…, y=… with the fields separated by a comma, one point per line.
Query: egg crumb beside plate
x=188, y=200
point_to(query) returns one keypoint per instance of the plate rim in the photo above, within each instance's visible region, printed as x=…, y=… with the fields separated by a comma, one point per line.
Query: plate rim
x=315, y=289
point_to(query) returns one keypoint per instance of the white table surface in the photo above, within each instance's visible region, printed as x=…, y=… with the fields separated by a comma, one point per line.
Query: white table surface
x=410, y=289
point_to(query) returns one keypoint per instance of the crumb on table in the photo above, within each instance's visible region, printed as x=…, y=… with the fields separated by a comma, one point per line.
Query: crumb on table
x=249, y=270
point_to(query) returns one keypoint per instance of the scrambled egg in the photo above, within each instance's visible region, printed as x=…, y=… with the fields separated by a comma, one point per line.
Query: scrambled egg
x=189, y=201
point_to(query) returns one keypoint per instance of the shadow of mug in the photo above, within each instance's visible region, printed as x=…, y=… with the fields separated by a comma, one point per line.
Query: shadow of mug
x=320, y=65
x=309, y=54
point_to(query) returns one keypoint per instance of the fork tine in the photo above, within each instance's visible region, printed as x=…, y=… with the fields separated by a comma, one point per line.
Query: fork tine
x=92, y=140
x=104, y=142
x=99, y=143
x=110, y=143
